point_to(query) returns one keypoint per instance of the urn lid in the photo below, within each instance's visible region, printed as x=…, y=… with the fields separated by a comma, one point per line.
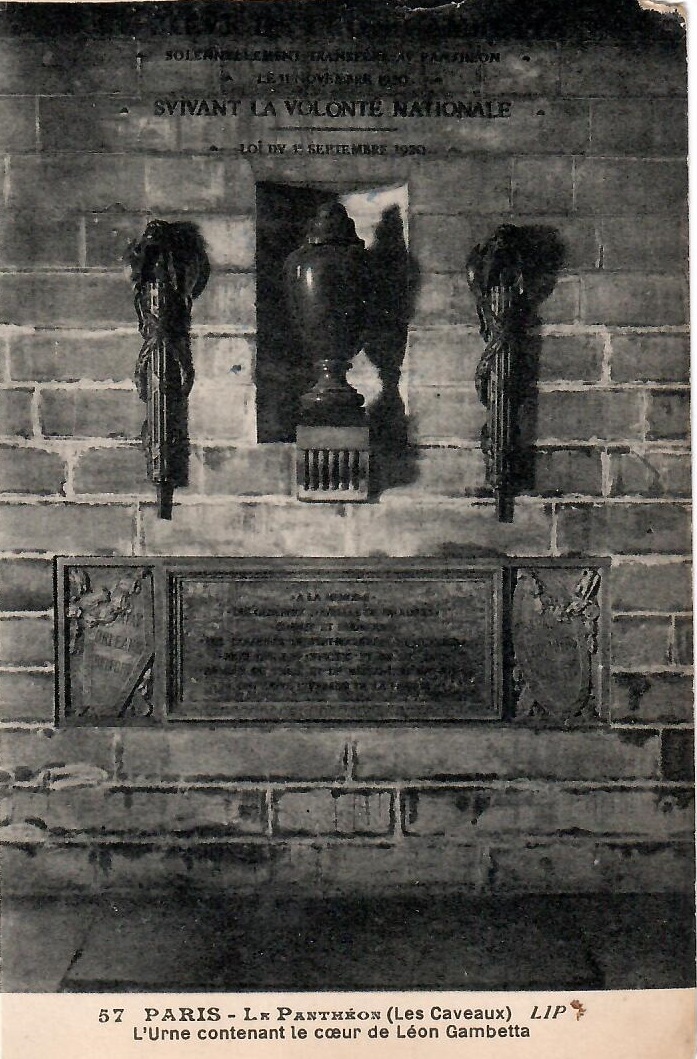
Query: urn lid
x=332, y=224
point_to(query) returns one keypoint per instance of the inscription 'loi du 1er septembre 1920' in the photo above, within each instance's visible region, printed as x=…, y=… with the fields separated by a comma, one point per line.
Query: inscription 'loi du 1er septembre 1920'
x=391, y=645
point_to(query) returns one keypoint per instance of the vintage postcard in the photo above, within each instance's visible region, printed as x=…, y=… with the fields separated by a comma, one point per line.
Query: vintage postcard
x=345, y=588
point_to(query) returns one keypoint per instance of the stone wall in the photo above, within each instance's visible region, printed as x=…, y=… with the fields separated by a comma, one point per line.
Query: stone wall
x=595, y=151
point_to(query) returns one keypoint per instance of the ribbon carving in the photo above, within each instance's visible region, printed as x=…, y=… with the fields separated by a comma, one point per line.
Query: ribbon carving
x=169, y=268
x=496, y=275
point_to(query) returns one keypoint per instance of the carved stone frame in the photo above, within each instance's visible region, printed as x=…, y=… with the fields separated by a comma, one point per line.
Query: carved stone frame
x=166, y=574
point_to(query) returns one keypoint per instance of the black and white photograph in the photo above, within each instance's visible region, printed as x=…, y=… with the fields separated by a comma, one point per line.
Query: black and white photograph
x=345, y=529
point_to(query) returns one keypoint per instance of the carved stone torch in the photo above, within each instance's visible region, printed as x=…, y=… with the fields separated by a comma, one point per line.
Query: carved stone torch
x=169, y=268
x=327, y=284
x=495, y=273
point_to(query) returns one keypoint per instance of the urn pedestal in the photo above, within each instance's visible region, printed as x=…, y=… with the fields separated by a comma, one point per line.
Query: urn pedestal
x=327, y=282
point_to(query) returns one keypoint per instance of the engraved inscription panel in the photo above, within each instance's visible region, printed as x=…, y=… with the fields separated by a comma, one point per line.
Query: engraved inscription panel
x=331, y=647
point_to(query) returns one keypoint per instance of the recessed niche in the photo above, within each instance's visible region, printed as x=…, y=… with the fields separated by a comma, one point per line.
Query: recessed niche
x=283, y=369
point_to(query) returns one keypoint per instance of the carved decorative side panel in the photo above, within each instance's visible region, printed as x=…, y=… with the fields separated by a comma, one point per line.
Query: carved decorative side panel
x=110, y=644
x=556, y=650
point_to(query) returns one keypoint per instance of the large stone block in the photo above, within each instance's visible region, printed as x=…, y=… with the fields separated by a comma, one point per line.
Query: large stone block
x=538, y=125
x=543, y=185
x=218, y=356
x=189, y=754
x=59, y=356
x=472, y=812
x=228, y=300
x=683, y=642
x=17, y=124
x=137, y=870
x=652, y=698
x=347, y=868
x=444, y=299
x=586, y=415
x=161, y=73
x=617, y=70
x=26, y=584
x=650, y=357
x=223, y=410
x=92, y=413
x=664, y=586
x=79, y=298
x=524, y=70
x=101, y=529
x=136, y=813
x=404, y=526
x=184, y=183
x=633, y=299
x=248, y=528
x=25, y=470
x=63, y=65
x=121, y=469
x=473, y=184
x=573, y=357
x=26, y=641
x=15, y=413
x=576, y=237
x=584, y=866
x=42, y=870
x=658, y=244
x=640, y=642
x=28, y=240
x=504, y=753
x=649, y=473
x=623, y=528
x=104, y=123
x=678, y=755
x=668, y=415
x=26, y=696
x=261, y=471
x=639, y=127
x=440, y=355
x=633, y=186
x=333, y=812
x=64, y=754
x=447, y=414
x=85, y=181
x=229, y=240
x=559, y=472
x=444, y=243
x=448, y=472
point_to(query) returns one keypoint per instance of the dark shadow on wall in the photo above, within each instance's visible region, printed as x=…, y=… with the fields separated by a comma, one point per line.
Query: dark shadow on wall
x=544, y=254
x=393, y=284
x=190, y=939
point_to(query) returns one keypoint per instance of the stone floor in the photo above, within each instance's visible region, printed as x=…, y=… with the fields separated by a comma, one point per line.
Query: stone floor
x=216, y=944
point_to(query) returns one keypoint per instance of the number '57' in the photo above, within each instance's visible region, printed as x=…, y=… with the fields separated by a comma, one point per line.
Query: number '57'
x=115, y=1014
